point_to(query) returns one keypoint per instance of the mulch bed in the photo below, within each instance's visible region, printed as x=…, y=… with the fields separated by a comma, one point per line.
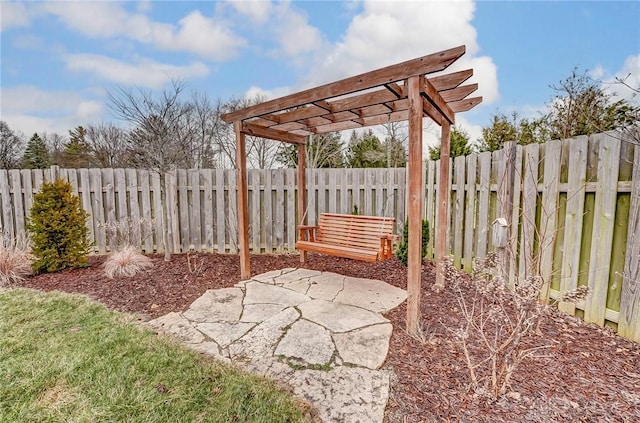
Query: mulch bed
x=587, y=375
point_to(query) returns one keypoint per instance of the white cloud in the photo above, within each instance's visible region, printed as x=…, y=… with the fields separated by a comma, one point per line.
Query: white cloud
x=29, y=109
x=13, y=15
x=293, y=32
x=145, y=73
x=257, y=11
x=195, y=33
x=384, y=33
x=27, y=99
x=202, y=36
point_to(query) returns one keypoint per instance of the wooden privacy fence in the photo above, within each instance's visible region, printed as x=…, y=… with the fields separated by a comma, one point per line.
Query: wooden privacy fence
x=572, y=210
x=200, y=210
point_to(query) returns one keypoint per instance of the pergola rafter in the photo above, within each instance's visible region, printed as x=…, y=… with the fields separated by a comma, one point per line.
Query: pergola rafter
x=400, y=92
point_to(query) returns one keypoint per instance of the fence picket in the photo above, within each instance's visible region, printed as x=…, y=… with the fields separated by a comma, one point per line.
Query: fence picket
x=207, y=206
x=121, y=193
x=7, y=210
x=629, y=324
x=526, y=264
x=484, y=159
x=549, y=213
x=458, y=210
x=97, y=203
x=195, y=221
x=577, y=174
x=28, y=192
x=278, y=179
x=470, y=209
x=145, y=210
x=602, y=235
x=292, y=217
x=267, y=220
x=18, y=204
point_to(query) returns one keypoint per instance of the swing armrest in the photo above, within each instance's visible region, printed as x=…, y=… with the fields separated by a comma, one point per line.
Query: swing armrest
x=307, y=233
x=386, y=245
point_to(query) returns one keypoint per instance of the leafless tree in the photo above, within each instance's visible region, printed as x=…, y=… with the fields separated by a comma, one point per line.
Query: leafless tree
x=11, y=147
x=108, y=144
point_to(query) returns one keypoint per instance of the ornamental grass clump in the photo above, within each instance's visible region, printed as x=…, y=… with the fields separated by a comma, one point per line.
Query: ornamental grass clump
x=15, y=259
x=125, y=238
x=58, y=228
x=126, y=261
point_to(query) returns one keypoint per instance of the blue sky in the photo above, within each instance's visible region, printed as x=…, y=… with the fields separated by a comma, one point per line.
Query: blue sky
x=59, y=59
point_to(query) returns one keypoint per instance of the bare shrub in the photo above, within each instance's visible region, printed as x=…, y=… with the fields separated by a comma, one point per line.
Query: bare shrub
x=15, y=259
x=126, y=261
x=126, y=232
x=499, y=324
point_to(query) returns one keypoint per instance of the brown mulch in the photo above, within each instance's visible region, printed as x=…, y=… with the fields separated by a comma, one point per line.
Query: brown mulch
x=587, y=375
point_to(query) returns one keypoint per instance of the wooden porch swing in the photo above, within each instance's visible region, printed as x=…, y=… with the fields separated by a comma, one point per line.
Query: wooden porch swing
x=394, y=93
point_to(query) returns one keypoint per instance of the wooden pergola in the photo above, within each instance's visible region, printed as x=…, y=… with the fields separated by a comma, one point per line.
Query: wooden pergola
x=394, y=93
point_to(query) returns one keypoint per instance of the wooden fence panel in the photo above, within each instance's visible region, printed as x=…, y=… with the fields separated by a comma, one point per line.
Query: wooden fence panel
x=577, y=178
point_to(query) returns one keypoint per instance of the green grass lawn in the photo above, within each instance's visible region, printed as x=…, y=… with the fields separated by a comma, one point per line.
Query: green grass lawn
x=65, y=358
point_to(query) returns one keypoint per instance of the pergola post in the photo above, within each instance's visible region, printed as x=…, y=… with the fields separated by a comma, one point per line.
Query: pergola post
x=443, y=204
x=302, y=193
x=243, y=212
x=416, y=194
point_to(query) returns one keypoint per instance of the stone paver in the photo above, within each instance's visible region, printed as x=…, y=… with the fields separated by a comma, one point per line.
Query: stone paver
x=260, y=293
x=339, y=317
x=224, y=333
x=366, y=347
x=217, y=305
x=320, y=332
x=259, y=312
x=307, y=341
x=325, y=286
x=371, y=294
x=344, y=394
x=262, y=339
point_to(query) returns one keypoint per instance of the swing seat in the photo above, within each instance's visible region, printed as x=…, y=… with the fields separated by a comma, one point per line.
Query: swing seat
x=366, y=238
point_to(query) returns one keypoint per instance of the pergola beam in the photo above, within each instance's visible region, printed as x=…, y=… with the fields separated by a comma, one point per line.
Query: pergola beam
x=427, y=64
x=432, y=95
x=451, y=80
x=272, y=134
x=466, y=104
x=458, y=93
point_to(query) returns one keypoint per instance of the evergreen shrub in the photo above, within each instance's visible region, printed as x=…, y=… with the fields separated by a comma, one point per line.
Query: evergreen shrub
x=58, y=227
x=402, y=250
